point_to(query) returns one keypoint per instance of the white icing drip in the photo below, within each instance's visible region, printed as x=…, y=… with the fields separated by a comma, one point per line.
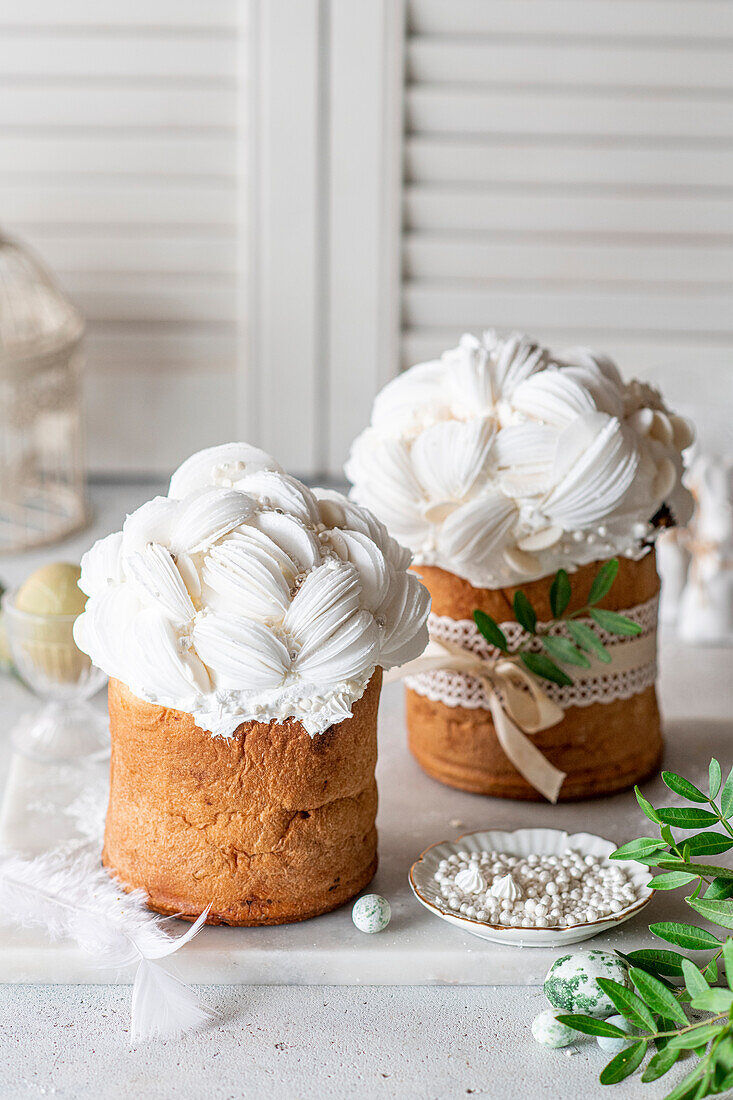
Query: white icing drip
x=245, y=595
x=502, y=461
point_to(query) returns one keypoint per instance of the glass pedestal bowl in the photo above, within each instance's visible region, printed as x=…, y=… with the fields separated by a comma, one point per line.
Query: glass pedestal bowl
x=47, y=659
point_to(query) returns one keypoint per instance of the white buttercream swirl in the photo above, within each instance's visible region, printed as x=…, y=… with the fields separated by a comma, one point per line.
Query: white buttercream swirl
x=245, y=595
x=504, y=461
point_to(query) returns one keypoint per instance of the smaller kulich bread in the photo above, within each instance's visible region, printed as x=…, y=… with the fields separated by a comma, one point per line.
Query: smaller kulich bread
x=603, y=747
x=268, y=826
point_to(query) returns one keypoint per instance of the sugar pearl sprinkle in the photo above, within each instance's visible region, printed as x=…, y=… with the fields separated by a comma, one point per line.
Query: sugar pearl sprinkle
x=535, y=891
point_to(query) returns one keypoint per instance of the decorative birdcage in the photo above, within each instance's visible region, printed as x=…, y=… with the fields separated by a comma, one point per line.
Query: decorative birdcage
x=42, y=472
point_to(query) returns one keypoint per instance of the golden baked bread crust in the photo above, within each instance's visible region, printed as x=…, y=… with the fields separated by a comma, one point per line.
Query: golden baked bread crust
x=268, y=826
x=604, y=747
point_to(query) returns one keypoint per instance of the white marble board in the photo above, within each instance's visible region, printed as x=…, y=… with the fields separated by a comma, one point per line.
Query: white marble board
x=415, y=811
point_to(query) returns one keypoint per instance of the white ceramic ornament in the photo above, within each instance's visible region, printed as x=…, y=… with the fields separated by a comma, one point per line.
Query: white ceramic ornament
x=571, y=984
x=371, y=913
x=549, y=1032
x=706, y=604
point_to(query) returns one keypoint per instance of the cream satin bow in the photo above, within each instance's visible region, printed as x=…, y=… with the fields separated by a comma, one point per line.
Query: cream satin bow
x=521, y=710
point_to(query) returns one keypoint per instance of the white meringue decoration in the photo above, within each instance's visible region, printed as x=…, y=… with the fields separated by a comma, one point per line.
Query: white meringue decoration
x=449, y=458
x=154, y=573
x=503, y=461
x=473, y=533
x=205, y=516
x=102, y=565
x=470, y=880
x=506, y=889
x=241, y=654
x=250, y=597
x=218, y=466
x=594, y=469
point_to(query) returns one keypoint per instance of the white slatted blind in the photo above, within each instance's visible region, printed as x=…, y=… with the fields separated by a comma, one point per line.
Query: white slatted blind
x=120, y=155
x=569, y=172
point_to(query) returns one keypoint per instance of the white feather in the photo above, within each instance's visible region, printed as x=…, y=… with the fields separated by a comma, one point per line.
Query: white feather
x=162, y=1006
x=72, y=897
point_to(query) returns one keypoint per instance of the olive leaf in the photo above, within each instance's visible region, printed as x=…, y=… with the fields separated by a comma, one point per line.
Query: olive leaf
x=691, y=1039
x=714, y=1000
x=541, y=665
x=524, y=612
x=589, y=1025
x=603, y=580
x=683, y=787
x=491, y=630
x=656, y=1004
x=658, y=960
x=683, y=818
x=644, y=846
x=559, y=593
x=584, y=637
x=718, y=888
x=613, y=622
x=657, y=996
x=562, y=649
x=726, y=796
x=694, y=981
x=647, y=808
x=672, y=880
x=624, y=1064
x=628, y=1004
x=660, y=1064
x=688, y=936
x=717, y=911
x=708, y=844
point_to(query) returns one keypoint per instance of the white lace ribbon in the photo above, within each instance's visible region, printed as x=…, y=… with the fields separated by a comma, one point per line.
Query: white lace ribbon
x=460, y=668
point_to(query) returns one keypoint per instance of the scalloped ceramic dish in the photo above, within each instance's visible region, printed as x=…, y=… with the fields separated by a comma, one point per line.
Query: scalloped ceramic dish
x=524, y=842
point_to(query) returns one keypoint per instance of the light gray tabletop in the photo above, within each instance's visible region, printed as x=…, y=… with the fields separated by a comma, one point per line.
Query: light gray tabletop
x=328, y=1041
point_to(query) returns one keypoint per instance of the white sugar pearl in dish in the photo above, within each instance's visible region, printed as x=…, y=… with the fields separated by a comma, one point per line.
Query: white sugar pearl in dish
x=371, y=913
x=552, y=889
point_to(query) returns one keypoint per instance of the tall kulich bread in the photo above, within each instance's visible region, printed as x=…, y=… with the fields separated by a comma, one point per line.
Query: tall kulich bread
x=603, y=747
x=269, y=826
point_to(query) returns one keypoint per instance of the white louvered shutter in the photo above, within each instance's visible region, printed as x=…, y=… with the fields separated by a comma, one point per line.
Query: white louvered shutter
x=569, y=172
x=120, y=148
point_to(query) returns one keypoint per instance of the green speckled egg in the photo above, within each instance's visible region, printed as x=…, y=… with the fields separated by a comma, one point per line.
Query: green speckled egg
x=371, y=913
x=571, y=985
x=548, y=1030
x=615, y=1046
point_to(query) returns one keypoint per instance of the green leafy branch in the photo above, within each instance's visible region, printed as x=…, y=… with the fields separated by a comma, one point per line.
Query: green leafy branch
x=664, y=980
x=580, y=639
